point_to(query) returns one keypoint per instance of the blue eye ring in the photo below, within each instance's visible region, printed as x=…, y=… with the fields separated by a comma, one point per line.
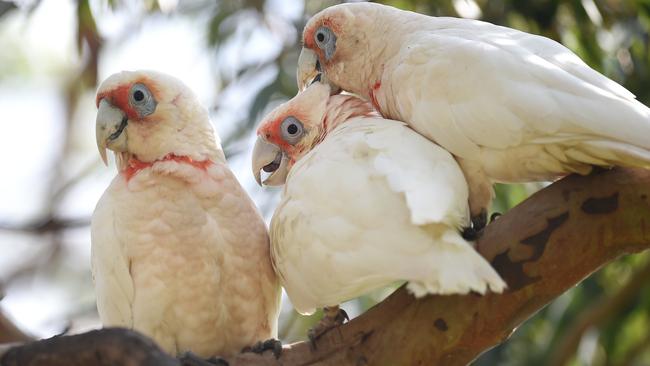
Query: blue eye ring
x=142, y=100
x=292, y=130
x=325, y=40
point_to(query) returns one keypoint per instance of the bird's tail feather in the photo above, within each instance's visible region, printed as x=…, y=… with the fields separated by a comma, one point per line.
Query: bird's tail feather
x=458, y=269
x=581, y=155
x=611, y=153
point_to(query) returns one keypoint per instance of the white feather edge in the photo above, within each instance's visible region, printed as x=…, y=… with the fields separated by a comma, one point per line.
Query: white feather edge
x=435, y=191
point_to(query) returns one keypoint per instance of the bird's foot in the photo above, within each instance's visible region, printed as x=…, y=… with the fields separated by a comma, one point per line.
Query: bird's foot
x=475, y=231
x=494, y=216
x=479, y=221
x=273, y=345
x=191, y=359
x=470, y=234
x=333, y=316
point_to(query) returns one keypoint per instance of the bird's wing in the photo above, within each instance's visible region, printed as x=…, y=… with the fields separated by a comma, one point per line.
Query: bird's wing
x=472, y=85
x=372, y=204
x=427, y=175
x=110, y=267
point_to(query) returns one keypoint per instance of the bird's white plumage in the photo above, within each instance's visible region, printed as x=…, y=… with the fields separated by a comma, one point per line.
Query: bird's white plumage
x=511, y=106
x=501, y=97
x=179, y=251
x=371, y=204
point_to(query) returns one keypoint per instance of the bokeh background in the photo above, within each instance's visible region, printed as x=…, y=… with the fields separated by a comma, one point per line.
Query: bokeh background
x=240, y=56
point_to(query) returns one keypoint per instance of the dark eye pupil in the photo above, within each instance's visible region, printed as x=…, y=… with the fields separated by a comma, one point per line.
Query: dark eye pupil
x=138, y=96
x=292, y=129
x=320, y=37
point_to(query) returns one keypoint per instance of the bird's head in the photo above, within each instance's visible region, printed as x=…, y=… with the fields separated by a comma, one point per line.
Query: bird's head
x=149, y=115
x=288, y=132
x=338, y=43
x=293, y=129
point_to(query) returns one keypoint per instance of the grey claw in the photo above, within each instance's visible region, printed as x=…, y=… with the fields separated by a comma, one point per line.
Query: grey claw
x=272, y=345
x=190, y=359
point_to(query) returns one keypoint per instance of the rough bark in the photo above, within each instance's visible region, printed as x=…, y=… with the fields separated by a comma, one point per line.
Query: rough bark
x=542, y=247
x=98, y=347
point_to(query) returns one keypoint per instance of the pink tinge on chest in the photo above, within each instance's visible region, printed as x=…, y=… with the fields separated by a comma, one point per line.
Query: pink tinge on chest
x=136, y=165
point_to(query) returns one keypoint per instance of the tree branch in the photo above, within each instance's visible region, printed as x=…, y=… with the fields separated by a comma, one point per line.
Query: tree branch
x=99, y=347
x=542, y=247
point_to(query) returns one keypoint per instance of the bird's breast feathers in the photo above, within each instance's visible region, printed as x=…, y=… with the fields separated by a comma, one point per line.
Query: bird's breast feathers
x=187, y=237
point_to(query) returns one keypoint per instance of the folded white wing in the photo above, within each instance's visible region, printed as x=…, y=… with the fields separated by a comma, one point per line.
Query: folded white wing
x=114, y=287
x=372, y=204
x=471, y=85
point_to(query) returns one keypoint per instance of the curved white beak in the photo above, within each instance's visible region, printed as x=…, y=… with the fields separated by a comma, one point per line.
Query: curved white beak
x=307, y=69
x=308, y=72
x=110, y=129
x=271, y=159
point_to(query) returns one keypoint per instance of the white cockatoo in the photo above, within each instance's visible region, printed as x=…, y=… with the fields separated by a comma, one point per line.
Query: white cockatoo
x=366, y=202
x=510, y=106
x=179, y=251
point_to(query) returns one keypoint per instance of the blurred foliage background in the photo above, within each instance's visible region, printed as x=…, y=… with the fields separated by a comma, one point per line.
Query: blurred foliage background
x=240, y=56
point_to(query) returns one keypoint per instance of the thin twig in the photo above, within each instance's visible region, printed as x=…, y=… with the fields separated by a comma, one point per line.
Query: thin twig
x=603, y=310
x=47, y=225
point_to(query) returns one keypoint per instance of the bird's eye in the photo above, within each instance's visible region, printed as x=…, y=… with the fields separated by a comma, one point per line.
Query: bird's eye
x=292, y=130
x=322, y=35
x=326, y=41
x=138, y=96
x=142, y=100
